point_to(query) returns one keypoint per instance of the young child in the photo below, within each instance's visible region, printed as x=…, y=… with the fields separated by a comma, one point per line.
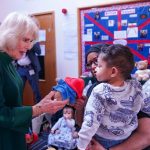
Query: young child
x=62, y=132
x=111, y=111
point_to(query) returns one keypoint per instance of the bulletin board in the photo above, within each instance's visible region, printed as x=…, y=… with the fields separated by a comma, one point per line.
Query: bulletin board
x=125, y=23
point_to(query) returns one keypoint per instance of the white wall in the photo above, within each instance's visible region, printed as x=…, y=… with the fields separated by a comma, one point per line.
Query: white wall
x=66, y=66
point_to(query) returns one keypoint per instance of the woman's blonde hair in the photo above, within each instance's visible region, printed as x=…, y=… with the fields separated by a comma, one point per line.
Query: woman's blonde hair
x=15, y=26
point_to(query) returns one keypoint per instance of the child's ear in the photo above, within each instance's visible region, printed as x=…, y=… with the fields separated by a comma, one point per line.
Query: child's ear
x=114, y=72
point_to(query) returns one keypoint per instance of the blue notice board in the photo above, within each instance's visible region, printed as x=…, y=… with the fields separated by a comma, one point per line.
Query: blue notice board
x=127, y=24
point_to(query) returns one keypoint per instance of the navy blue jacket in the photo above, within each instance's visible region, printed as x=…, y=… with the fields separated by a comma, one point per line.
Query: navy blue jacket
x=33, y=57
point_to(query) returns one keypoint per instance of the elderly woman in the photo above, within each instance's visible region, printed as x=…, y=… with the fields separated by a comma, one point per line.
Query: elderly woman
x=17, y=34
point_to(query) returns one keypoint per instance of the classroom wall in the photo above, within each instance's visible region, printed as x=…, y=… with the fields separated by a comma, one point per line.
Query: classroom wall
x=65, y=26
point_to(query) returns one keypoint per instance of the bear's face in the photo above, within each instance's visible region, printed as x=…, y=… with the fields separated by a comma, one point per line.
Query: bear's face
x=142, y=65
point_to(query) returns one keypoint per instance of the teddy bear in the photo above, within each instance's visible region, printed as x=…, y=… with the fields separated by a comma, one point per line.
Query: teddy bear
x=142, y=74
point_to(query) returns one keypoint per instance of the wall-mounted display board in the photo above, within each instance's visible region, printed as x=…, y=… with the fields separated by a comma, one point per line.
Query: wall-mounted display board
x=123, y=23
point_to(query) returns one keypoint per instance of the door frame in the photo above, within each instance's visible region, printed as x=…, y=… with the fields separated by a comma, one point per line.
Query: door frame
x=49, y=58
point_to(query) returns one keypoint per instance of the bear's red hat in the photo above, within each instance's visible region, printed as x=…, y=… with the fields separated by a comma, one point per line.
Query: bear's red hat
x=77, y=84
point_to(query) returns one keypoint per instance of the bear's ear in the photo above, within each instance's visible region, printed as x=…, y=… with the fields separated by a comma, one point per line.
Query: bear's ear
x=136, y=64
x=146, y=62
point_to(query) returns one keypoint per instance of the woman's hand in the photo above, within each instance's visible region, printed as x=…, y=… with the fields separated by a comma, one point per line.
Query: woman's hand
x=79, y=106
x=55, y=95
x=47, y=105
x=80, y=103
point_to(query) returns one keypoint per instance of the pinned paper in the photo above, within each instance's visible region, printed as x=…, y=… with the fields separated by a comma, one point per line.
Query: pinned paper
x=124, y=22
x=110, y=13
x=104, y=18
x=147, y=44
x=122, y=42
x=128, y=11
x=89, y=25
x=132, y=24
x=132, y=32
x=120, y=34
x=89, y=31
x=104, y=37
x=111, y=23
x=133, y=15
x=42, y=50
x=87, y=37
x=42, y=35
x=143, y=33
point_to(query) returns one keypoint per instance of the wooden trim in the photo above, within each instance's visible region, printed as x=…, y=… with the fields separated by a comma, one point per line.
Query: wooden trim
x=111, y=3
x=79, y=44
x=42, y=13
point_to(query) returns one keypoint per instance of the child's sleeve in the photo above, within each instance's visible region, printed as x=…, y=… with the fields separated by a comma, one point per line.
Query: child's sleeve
x=92, y=119
x=57, y=125
x=146, y=103
x=146, y=98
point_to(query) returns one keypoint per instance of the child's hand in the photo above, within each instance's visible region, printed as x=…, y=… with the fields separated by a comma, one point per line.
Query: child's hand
x=75, y=134
x=57, y=131
x=80, y=103
x=52, y=131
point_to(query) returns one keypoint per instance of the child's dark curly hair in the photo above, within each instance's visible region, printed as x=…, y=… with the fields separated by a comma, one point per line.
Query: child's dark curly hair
x=119, y=56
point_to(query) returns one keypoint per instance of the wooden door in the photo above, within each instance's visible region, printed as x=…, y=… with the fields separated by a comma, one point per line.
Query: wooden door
x=48, y=61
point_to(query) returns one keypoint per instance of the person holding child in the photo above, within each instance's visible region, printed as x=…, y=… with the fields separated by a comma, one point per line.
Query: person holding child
x=136, y=140
x=111, y=110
